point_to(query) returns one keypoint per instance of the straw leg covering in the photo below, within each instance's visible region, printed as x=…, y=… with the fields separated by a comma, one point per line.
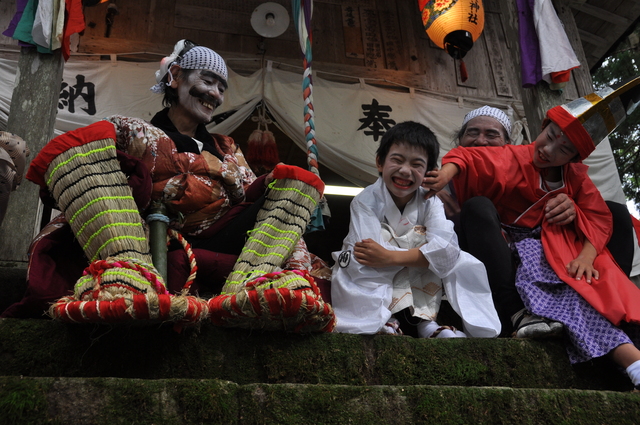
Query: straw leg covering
x=120, y=283
x=257, y=293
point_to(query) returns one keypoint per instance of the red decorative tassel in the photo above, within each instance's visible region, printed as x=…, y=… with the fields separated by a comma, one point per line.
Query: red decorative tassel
x=270, y=155
x=463, y=71
x=262, y=152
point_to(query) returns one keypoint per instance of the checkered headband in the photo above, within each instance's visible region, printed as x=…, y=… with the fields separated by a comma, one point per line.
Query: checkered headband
x=197, y=57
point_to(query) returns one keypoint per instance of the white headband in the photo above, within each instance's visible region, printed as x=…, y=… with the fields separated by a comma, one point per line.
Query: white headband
x=198, y=57
x=488, y=111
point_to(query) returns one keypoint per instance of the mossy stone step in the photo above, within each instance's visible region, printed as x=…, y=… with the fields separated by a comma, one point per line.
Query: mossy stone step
x=44, y=348
x=97, y=401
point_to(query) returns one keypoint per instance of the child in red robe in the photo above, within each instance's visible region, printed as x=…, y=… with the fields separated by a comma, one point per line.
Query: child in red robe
x=565, y=273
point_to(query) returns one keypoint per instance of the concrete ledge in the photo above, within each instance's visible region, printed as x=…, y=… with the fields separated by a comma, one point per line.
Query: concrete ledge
x=96, y=401
x=44, y=348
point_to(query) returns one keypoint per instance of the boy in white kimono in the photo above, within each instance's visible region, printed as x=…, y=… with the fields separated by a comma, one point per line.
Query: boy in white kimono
x=401, y=251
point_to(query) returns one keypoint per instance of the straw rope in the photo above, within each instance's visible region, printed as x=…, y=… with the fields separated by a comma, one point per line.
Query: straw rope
x=257, y=294
x=287, y=300
x=120, y=284
x=173, y=234
x=280, y=223
x=90, y=188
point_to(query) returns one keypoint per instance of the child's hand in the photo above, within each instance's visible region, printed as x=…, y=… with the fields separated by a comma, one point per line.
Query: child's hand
x=582, y=267
x=560, y=210
x=370, y=253
x=435, y=180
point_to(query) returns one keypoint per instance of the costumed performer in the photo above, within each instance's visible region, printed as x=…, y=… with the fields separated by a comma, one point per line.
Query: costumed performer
x=478, y=226
x=401, y=251
x=212, y=196
x=565, y=273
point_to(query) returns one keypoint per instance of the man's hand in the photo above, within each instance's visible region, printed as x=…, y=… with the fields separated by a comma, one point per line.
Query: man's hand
x=560, y=210
x=370, y=253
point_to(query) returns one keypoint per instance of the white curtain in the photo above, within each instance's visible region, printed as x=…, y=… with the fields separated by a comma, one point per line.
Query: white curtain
x=348, y=128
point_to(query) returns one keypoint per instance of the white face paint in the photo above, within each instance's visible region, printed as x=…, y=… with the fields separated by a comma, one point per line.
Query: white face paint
x=553, y=148
x=403, y=171
x=199, y=94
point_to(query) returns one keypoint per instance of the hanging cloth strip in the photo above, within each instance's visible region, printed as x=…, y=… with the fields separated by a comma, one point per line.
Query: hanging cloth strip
x=545, y=50
x=26, y=26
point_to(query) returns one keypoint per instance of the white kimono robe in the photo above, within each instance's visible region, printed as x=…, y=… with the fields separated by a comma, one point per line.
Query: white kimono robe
x=362, y=296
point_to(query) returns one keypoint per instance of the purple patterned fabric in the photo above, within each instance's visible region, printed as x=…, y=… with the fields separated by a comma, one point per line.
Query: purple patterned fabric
x=588, y=334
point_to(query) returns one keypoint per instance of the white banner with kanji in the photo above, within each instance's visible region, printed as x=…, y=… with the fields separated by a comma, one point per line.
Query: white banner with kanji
x=350, y=119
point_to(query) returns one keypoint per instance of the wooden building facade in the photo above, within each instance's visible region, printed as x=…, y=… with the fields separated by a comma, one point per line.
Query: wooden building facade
x=380, y=41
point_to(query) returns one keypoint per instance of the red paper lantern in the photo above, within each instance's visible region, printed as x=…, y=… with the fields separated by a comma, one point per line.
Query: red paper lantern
x=453, y=25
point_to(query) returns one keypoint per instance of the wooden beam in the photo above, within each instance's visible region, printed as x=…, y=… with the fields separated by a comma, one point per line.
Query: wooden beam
x=602, y=14
x=593, y=39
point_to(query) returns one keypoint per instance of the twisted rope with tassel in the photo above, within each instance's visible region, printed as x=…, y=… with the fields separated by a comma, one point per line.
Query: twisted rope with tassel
x=302, y=12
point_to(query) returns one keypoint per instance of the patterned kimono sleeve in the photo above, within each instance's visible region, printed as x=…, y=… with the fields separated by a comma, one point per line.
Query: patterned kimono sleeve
x=234, y=170
x=137, y=138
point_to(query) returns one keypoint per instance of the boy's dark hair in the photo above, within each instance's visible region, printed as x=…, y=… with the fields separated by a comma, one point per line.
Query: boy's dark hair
x=412, y=134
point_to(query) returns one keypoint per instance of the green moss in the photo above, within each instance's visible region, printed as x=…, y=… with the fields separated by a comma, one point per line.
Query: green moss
x=488, y=406
x=134, y=403
x=207, y=402
x=322, y=404
x=22, y=401
x=46, y=348
x=178, y=401
x=316, y=359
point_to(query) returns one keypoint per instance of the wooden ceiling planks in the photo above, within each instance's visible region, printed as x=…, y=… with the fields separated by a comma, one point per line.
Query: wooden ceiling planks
x=601, y=23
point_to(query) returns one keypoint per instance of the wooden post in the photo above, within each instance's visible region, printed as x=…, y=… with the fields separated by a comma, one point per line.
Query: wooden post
x=32, y=116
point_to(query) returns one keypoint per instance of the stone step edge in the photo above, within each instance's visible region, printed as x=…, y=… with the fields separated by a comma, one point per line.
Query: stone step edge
x=45, y=348
x=36, y=400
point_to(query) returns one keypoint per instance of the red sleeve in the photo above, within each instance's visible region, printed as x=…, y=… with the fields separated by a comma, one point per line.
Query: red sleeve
x=593, y=218
x=484, y=171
